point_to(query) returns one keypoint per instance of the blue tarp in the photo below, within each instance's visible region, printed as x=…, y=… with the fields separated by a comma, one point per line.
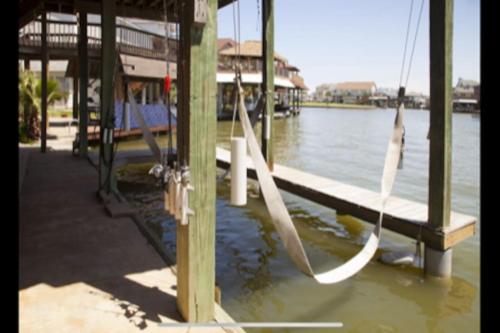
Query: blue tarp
x=154, y=115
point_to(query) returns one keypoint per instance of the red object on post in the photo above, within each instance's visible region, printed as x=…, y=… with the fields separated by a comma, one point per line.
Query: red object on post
x=166, y=88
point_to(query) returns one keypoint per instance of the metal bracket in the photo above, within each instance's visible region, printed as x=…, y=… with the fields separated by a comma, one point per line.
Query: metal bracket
x=200, y=13
x=186, y=187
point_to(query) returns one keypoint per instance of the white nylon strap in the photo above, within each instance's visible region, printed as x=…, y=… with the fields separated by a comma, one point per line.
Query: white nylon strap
x=146, y=133
x=283, y=222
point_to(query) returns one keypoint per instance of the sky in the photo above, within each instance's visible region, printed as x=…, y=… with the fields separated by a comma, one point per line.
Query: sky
x=359, y=40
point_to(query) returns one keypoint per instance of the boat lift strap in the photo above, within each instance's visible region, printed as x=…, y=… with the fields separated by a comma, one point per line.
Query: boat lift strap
x=146, y=133
x=282, y=220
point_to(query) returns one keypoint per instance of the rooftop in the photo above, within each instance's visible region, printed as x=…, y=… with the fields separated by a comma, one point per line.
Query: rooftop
x=355, y=85
x=251, y=48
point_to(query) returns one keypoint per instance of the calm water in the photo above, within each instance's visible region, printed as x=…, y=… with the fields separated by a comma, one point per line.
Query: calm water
x=258, y=280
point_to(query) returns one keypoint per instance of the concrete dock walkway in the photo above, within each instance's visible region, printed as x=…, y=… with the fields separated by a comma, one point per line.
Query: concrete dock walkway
x=81, y=270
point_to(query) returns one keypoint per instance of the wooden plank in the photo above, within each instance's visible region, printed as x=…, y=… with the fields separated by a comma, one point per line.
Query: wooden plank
x=408, y=210
x=458, y=235
x=441, y=28
x=268, y=81
x=45, y=65
x=197, y=124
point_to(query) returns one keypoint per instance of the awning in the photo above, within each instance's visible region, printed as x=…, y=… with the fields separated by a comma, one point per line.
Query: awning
x=146, y=67
x=253, y=78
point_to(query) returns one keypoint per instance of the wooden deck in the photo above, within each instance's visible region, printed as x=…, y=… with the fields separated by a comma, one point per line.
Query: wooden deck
x=405, y=217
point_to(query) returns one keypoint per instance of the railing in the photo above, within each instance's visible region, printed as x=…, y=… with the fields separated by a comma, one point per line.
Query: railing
x=64, y=35
x=226, y=64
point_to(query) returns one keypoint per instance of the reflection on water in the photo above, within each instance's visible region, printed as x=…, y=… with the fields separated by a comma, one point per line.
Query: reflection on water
x=260, y=283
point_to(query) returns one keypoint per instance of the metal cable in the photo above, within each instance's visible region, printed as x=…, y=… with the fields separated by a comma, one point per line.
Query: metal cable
x=406, y=44
x=414, y=42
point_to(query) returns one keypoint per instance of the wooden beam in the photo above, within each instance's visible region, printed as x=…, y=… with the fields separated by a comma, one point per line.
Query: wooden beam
x=27, y=105
x=441, y=35
x=83, y=65
x=28, y=11
x=268, y=80
x=108, y=56
x=75, y=90
x=196, y=147
x=122, y=10
x=45, y=65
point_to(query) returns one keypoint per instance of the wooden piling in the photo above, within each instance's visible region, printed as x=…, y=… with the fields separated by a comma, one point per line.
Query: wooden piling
x=45, y=64
x=83, y=63
x=75, y=90
x=441, y=40
x=196, y=148
x=268, y=80
x=27, y=105
x=108, y=58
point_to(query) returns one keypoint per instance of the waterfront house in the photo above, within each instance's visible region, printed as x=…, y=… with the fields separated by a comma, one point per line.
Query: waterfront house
x=141, y=54
x=353, y=92
x=251, y=67
x=225, y=43
x=465, y=89
x=323, y=92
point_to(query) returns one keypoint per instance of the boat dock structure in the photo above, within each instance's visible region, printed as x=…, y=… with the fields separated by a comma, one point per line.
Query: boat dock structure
x=86, y=264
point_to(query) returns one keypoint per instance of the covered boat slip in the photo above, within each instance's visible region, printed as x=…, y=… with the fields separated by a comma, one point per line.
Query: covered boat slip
x=197, y=159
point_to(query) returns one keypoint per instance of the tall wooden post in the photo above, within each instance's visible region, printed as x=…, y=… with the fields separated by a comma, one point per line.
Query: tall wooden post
x=45, y=65
x=437, y=261
x=26, y=106
x=83, y=63
x=197, y=121
x=75, y=90
x=108, y=58
x=268, y=80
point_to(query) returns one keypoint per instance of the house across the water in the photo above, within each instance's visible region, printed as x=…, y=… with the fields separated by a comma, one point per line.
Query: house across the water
x=289, y=85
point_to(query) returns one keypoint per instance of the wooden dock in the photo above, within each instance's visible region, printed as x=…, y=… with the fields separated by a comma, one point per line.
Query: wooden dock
x=403, y=216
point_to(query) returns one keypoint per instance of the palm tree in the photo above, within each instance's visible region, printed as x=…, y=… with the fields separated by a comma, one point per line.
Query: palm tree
x=30, y=97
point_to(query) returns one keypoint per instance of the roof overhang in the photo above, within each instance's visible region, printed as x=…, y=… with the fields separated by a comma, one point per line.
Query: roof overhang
x=147, y=68
x=146, y=9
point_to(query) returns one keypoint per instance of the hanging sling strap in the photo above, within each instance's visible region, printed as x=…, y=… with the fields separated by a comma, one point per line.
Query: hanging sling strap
x=282, y=220
x=146, y=133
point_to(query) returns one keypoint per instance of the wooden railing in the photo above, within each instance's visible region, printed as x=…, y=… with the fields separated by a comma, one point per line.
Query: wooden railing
x=226, y=64
x=64, y=35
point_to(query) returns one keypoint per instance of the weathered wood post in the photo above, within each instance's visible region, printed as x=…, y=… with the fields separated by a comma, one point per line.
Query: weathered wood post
x=83, y=63
x=196, y=135
x=26, y=106
x=268, y=80
x=45, y=65
x=438, y=261
x=75, y=90
x=108, y=58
